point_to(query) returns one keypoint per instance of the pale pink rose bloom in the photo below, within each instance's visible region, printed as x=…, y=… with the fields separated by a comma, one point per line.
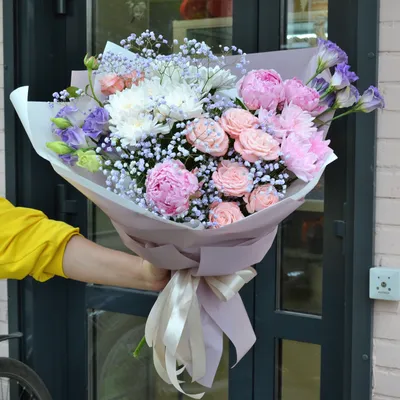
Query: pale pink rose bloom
x=132, y=79
x=169, y=186
x=303, y=96
x=208, y=137
x=292, y=119
x=261, y=88
x=261, y=197
x=111, y=84
x=224, y=213
x=255, y=144
x=232, y=179
x=305, y=155
x=235, y=120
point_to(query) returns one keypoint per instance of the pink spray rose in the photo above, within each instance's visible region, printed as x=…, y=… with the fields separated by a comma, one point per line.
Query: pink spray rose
x=224, y=213
x=261, y=197
x=208, y=137
x=292, y=120
x=111, y=84
x=232, y=179
x=133, y=78
x=235, y=120
x=169, y=186
x=303, y=96
x=261, y=88
x=255, y=144
x=305, y=155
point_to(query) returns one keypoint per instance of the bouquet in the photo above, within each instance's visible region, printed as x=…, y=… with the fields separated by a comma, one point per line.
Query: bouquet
x=196, y=161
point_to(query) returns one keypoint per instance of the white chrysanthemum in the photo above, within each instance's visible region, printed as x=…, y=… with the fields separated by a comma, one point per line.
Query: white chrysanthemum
x=217, y=78
x=133, y=128
x=180, y=102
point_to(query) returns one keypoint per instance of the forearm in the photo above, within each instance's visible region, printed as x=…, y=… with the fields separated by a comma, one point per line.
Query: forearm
x=88, y=262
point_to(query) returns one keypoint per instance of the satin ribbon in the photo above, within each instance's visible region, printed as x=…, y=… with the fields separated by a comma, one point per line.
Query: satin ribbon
x=174, y=329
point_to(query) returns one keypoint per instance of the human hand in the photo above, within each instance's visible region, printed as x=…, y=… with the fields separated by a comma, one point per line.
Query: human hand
x=156, y=278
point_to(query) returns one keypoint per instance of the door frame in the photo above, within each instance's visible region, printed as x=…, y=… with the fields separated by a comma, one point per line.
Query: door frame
x=27, y=299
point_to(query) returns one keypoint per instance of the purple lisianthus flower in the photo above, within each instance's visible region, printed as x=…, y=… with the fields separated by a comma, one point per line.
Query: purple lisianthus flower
x=68, y=159
x=73, y=136
x=343, y=77
x=96, y=123
x=67, y=111
x=370, y=100
x=329, y=55
x=346, y=97
x=320, y=85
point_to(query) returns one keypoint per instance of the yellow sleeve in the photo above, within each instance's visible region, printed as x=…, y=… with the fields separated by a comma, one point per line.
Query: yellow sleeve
x=31, y=244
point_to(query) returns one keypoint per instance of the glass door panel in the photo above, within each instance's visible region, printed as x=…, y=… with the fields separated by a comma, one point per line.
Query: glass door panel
x=301, y=254
x=304, y=22
x=208, y=20
x=300, y=371
x=115, y=374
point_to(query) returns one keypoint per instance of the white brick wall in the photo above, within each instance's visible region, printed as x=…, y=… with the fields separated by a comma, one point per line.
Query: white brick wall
x=387, y=249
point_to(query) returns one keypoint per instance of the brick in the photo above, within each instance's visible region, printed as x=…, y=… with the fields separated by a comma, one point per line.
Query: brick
x=391, y=92
x=389, y=10
x=381, y=306
x=384, y=211
x=388, y=182
x=387, y=123
x=387, y=326
x=387, y=353
x=388, y=151
x=387, y=239
x=387, y=382
x=386, y=260
x=388, y=36
x=389, y=67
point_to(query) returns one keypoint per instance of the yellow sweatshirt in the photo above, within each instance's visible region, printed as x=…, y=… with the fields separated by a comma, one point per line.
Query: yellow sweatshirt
x=31, y=244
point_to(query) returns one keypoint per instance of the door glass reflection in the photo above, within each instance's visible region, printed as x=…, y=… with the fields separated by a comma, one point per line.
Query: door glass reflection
x=209, y=20
x=115, y=374
x=304, y=22
x=299, y=371
x=301, y=256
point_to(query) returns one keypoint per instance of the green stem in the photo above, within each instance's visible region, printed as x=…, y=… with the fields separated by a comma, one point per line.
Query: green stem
x=314, y=76
x=139, y=347
x=339, y=116
x=92, y=89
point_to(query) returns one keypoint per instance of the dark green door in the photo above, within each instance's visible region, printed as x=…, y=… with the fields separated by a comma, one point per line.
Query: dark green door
x=80, y=337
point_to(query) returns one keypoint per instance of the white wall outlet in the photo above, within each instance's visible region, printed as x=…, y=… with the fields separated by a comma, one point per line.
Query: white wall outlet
x=384, y=284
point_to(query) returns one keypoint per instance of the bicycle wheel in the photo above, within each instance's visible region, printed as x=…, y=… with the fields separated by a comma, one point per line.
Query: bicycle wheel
x=18, y=381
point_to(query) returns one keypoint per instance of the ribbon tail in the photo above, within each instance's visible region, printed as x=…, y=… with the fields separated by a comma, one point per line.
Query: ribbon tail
x=238, y=329
x=170, y=362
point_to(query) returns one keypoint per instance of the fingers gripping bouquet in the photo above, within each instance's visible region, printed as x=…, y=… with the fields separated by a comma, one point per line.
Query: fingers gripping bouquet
x=196, y=168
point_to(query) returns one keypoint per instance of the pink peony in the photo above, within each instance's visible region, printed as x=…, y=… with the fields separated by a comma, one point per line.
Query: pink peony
x=208, y=137
x=111, y=84
x=261, y=88
x=169, y=186
x=305, y=155
x=224, y=213
x=132, y=79
x=292, y=120
x=303, y=96
x=235, y=120
x=232, y=179
x=261, y=197
x=255, y=144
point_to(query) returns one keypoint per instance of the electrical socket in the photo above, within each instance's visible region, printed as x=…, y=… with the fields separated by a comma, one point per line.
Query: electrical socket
x=384, y=284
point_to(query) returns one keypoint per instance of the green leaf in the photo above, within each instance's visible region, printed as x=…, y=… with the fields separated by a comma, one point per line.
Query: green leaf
x=72, y=91
x=239, y=103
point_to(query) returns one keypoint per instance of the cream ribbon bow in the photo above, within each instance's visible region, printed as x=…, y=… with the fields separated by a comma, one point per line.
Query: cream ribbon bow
x=174, y=328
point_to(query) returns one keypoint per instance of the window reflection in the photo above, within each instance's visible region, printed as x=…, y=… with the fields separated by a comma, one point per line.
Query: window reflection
x=304, y=22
